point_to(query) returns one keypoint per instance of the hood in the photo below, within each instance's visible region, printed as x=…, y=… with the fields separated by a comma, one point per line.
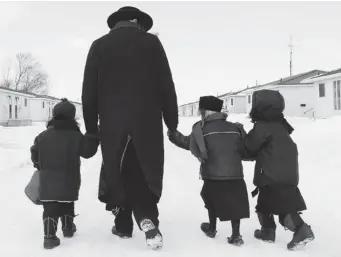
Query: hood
x=267, y=104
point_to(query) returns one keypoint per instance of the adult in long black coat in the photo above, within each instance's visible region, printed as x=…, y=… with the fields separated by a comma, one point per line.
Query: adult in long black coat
x=276, y=171
x=128, y=84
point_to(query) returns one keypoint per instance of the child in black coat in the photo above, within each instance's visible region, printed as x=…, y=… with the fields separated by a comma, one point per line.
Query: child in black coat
x=56, y=154
x=276, y=175
x=218, y=144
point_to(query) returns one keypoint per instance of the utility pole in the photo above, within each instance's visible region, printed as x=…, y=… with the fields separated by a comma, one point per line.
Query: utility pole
x=291, y=47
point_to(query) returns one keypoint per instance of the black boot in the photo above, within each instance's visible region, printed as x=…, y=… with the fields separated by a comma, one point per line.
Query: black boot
x=266, y=234
x=236, y=238
x=268, y=231
x=120, y=234
x=153, y=235
x=302, y=236
x=68, y=227
x=50, y=228
x=208, y=230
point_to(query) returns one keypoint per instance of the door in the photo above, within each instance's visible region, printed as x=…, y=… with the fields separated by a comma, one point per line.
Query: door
x=337, y=94
x=9, y=107
x=16, y=108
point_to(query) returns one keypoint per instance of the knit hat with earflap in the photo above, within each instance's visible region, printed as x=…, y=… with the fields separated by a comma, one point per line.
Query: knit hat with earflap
x=64, y=109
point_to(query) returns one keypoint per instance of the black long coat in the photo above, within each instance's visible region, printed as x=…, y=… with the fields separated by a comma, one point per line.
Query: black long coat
x=128, y=84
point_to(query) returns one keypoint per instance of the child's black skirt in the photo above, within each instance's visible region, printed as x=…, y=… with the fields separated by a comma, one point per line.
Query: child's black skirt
x=227, y=198
x=280, y=200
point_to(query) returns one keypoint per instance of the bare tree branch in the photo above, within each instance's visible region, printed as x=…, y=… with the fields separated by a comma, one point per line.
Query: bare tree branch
x=7, y=81
x=29, y=76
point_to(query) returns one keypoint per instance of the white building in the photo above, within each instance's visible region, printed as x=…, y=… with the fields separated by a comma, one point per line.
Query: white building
x=188, y=110
x=41, y=108
x=314, y=94
x=79, y=110
x=298, y=92
x=14, y=108
x=327, y=92
x=234, y=102
x=20, y=109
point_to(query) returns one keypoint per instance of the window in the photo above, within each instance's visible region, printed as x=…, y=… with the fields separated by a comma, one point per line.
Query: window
x=25, y=102
x=43, y=104
x=249, y=98
x=337, y=94
x=231, y=101
x=322, y=90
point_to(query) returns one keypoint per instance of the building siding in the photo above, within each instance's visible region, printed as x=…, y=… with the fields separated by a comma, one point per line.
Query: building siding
x=19, y=109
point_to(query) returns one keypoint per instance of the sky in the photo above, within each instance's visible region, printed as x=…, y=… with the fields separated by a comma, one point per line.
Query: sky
x=212, y=47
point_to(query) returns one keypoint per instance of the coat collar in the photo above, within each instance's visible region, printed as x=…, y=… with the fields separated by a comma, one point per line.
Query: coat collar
x=126, y=24
x=216, y=116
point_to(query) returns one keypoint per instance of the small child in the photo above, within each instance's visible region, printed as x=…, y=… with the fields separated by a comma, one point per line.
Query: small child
x=56, y=154
x=218, y=144
x=276, y=173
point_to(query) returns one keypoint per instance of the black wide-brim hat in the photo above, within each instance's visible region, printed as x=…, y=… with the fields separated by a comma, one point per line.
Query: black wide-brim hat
x=130, y=13
x=211, y=103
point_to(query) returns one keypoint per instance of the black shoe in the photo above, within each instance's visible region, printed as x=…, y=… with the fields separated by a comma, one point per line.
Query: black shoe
x=302, y=236
x=205, y=227
x=68, y=227
x=266, y=234
x=235, y=240
x=121, y=235
x=153, y=235
x=51, y=242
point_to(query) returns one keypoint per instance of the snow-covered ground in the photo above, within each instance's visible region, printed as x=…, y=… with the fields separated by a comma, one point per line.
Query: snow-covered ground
x=181, y=208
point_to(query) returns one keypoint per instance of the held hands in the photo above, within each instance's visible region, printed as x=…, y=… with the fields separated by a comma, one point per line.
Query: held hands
x=174, y=137
x=172, y=134
x=239, y=125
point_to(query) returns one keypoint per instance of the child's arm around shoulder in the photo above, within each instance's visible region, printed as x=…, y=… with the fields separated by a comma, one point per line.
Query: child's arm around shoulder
x=257, y=138
x=245, y=155
x=88, y=145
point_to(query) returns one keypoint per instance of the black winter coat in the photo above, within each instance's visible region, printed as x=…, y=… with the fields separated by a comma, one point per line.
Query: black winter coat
x=56, y=153
x=270, y=141
x=277, y=156
x=128, y=84
x=218, y=144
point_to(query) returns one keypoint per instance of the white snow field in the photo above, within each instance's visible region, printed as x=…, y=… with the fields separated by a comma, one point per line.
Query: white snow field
x=181, y=208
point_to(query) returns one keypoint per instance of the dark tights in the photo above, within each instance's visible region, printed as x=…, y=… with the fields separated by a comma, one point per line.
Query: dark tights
x=213, y=220
x=213, y=223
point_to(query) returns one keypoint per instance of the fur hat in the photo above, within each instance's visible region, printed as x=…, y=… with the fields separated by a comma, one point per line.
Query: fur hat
x=211, y=103
x=64, y=109
x=130, y=13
